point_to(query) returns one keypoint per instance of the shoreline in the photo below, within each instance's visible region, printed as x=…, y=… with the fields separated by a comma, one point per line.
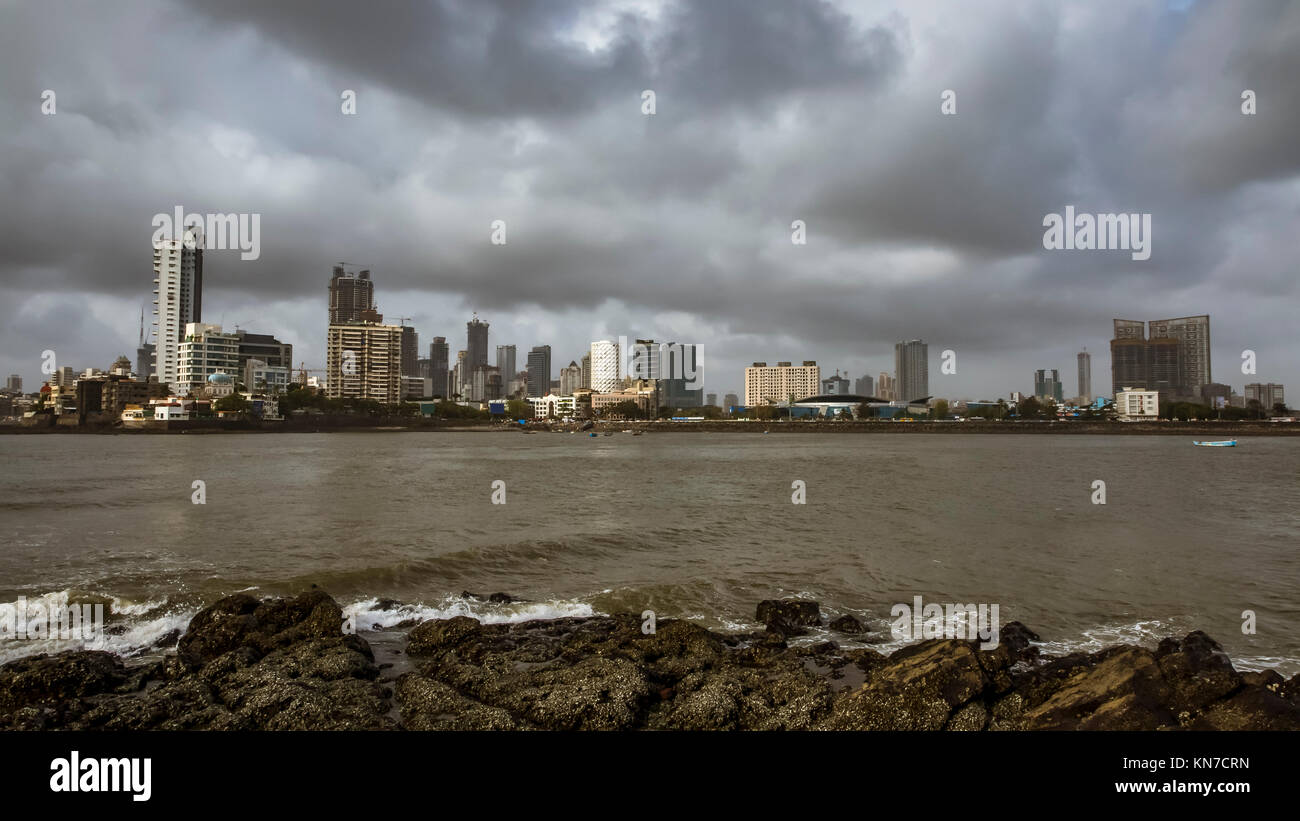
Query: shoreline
x=285, y=664
x=1073, y=428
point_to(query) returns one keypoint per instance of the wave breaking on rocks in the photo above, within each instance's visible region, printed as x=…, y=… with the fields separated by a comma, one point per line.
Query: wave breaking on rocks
x=285, y=664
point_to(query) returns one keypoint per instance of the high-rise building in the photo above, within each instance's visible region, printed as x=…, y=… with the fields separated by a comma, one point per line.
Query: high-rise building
x=781, y=383
x=1193, y=335
x=1048, y=387
x=363, y=360
x=476, y=342
x=206, y=350
x=1267, y=395
x=912, y=366
x=1173, y=359
x=730, y=400
x=14, y=383
x=606, y=366
x=461, y=375
x=710, y=400
x=864, y=386
x=351, y=296
x=178, y=298
x=1085, y=376
x=586, y=371
x=887, y=388
x=412, y=382
x=539, y=370
x=506, y=363
x=438, y=372
x=570, y=379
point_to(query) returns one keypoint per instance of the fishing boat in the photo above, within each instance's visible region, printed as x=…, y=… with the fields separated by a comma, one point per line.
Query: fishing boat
x=1227, y=443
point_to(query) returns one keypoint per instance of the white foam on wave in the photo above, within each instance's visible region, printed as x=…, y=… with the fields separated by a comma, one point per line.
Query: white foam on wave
x=128, y=628
x=367, y=615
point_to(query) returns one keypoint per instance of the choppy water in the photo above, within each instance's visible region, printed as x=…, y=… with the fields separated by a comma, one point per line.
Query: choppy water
x=689, y=525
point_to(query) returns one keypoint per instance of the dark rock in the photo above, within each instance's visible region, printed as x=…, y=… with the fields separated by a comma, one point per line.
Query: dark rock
x=778, y=626
x=794, y=611
x=848, y=624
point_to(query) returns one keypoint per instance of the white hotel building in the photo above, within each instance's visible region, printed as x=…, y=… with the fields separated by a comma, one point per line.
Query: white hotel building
x=767, y=385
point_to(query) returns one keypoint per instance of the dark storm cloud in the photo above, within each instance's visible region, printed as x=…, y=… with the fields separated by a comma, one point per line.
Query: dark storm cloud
x=673, y=225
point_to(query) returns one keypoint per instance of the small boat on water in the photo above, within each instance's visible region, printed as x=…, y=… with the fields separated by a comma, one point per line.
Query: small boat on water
x=1227, y=443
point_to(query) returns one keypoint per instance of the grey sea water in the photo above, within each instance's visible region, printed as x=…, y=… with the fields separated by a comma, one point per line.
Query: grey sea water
x=697, y=525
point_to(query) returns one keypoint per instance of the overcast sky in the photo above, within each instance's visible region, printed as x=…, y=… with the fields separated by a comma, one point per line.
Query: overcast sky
x=675, y=225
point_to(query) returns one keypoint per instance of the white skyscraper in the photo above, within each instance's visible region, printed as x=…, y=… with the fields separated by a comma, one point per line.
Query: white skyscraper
x=606, y=366
x=178, y=300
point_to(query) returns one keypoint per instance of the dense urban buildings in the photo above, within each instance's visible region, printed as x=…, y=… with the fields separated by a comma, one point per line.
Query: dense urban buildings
x=912, y=369
x=730, y=401
x=570, y=378
x=1085, y=376
x=783, y=382
x=14, y=383
x=178, y=299
x=864, y=386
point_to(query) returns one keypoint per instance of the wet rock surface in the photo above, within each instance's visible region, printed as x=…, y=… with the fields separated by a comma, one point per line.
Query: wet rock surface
x=285, y=664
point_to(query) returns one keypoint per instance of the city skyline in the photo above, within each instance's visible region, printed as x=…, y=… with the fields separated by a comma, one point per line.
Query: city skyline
x=674, y=225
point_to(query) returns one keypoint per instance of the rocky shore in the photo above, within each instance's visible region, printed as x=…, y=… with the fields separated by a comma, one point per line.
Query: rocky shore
x=285, y=664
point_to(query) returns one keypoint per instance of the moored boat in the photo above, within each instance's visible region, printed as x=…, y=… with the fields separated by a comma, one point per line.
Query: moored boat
x=1227, y=443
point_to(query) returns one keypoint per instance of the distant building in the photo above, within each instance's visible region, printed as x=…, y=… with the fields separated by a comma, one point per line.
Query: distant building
x=350, y=296
x=711, y=400
x=14, y=384
x=730, y=401
x=586, y=371
x=1085, y=376
x=836, y=385
x=364, y=361
x=864, y=386
x=476, y=343
x=178, y=299
x=781, y=383
x=264, y=347
x=539, y=371
x=205, y=350
x=1267, y=395
x=1172, y=359
x=606, y=366
x=1049, y=387
x=912, y=366
x=551, y=405
x=438, y=367
x=886, y=388
x=260, y=377
x=1136, y=404
x=1216, y=395
x=570, y=379
x=506, y=364
x=643, y=394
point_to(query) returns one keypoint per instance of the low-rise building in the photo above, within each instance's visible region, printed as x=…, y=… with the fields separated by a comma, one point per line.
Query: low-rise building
x=1137, y=404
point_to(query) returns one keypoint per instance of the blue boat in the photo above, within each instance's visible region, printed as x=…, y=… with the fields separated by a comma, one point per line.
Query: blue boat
x=1229, y=443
